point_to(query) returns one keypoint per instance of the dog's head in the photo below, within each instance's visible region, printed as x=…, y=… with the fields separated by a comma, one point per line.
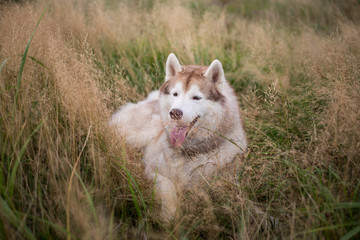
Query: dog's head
x=192, y=100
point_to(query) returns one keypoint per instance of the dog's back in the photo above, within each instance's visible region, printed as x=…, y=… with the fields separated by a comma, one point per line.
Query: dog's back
x=139, y=123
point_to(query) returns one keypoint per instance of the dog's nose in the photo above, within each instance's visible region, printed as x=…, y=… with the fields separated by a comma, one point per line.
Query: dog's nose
x=176, y=114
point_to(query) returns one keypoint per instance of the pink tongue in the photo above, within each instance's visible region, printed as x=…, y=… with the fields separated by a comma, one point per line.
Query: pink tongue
x=177, y=135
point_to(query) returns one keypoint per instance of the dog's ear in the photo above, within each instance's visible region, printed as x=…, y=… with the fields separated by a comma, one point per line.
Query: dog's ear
x=172, y=66
x=215, y=72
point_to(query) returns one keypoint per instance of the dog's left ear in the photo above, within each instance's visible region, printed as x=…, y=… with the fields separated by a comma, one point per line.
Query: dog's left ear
x=172, y=66
x=215, y=72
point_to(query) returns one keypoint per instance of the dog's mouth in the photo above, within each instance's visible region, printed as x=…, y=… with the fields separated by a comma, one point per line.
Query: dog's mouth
x=179, y=133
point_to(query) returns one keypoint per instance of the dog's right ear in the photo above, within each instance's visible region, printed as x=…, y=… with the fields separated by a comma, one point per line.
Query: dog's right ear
x=172, y=66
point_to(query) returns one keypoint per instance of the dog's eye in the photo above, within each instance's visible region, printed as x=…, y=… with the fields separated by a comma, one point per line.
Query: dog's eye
x=175, y=94
x=196, y=98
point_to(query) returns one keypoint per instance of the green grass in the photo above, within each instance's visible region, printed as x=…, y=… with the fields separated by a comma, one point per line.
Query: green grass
x=63, y=175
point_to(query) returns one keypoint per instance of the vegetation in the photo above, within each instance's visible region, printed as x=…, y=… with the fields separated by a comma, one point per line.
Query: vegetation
x=295, y=66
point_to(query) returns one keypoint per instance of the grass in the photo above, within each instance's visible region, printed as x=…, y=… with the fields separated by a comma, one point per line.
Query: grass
x=23, y=61
x=294, y=66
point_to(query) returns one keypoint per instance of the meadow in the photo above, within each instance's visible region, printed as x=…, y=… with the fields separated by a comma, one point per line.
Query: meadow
x=66, y=66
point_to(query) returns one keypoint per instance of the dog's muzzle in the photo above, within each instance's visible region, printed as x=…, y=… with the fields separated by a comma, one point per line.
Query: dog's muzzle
x=180, y=132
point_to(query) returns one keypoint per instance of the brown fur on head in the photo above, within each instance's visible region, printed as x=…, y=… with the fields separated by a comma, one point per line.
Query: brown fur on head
x=193, y=74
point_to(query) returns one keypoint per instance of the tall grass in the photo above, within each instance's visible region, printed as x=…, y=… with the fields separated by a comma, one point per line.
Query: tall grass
x=295, y=67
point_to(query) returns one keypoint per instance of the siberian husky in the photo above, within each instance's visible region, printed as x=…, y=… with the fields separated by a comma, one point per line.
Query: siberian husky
x=190, y=128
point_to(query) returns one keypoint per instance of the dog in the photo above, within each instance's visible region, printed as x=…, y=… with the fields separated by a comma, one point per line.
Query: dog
x=190, y=128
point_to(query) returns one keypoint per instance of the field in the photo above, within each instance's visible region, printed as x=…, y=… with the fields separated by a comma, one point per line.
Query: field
x=295, y=66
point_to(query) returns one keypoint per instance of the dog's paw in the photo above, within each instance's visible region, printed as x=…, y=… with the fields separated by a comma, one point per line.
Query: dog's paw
x=168, y=212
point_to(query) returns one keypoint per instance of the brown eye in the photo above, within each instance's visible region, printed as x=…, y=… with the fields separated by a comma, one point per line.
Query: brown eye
x=175, y=94
x=196, y=98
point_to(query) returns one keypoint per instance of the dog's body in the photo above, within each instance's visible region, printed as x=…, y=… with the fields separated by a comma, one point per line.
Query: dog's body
x=190, y=128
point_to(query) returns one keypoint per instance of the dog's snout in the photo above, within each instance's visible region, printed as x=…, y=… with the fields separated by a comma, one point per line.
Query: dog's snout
x=176, y=114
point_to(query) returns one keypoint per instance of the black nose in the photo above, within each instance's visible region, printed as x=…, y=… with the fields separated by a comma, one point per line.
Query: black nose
x=176, y=114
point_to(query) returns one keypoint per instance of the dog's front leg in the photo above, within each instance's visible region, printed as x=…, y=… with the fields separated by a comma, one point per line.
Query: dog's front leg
x=160, y=170
x=167, y=191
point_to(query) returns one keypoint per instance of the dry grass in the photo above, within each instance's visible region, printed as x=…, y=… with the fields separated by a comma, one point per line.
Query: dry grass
x=297, y=77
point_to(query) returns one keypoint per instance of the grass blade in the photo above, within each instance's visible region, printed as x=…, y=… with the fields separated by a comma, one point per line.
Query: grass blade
x=231, y=141
x=53, y=225
x=326, y=228
x=3, y=64
x=345, y=205
x=14, y=220
x=83, y=185
x=135, y=184
x=89, y=199
x=38, y=62
x=111, y=224
x=136, y=204
x=23, y=60
x=30, y=57
x=131, y=182
x=351, y=233
x=11, y=181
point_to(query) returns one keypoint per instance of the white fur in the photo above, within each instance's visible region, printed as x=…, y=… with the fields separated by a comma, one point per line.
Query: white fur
x=147, y=124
